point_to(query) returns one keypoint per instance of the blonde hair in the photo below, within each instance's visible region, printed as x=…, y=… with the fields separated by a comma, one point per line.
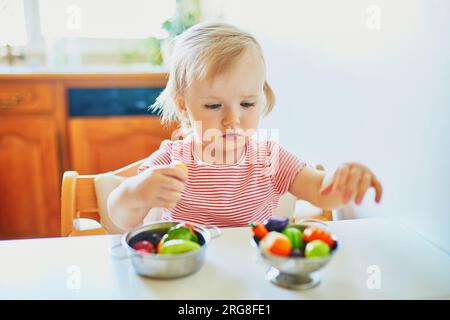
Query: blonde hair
x=201, y=52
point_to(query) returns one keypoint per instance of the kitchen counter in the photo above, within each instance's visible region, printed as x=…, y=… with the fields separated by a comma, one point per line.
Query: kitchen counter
x=74, y=72
x=409, y=268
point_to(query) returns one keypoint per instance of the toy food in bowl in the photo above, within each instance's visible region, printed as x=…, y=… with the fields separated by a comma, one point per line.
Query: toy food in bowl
x=166, y=249
x=295, y=252
x=179, y=238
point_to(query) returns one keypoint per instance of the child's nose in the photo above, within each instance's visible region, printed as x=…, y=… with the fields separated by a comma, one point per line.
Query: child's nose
x=232, y=117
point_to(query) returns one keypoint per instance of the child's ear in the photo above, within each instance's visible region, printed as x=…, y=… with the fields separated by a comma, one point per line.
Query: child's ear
x=181, y=105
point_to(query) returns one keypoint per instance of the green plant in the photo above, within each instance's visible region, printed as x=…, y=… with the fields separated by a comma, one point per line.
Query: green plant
x=187, y=14
x=153, y=51
x=148, y=50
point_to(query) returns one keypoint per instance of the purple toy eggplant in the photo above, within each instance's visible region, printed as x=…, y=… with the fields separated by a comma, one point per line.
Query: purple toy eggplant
x=276, y=223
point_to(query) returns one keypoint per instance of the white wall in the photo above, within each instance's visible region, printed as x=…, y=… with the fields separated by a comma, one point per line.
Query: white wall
x=348, y=92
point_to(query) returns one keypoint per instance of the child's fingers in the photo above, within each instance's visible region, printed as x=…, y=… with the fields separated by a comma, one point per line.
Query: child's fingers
x=327, y=189
x=378, y=189
x=340, y=179
x=171, y=184
x=353, y=180
x=181, y=165
x=169, y=196
x=174, y=172
x=363, y=186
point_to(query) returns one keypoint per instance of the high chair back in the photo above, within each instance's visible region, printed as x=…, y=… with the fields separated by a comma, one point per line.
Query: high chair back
x=79, y=208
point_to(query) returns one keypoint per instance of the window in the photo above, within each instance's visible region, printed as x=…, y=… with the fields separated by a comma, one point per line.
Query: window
x=114, y=19
x=12, y=23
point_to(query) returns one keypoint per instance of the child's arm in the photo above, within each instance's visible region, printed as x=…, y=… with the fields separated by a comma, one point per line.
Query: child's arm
x=159, y=186
x=349, y=182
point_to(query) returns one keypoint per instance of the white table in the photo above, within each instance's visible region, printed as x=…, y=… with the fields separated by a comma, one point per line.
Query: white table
x=410, y=267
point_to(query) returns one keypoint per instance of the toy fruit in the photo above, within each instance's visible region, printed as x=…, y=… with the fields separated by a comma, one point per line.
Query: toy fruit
x=182, y=166
x=276, y=243
x=160, y=244
x=154, y=238
x=317, y=249
x=181, y=231
x=259, y=230
x=144, y=245
x=276, y=223
x=295, y=237
x=311, y=233
x=176, y=246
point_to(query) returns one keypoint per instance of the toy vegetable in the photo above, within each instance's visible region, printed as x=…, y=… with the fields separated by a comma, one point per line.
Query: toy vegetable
x=295, y=237
x=311, y=233
x=276, y=243
x=181, y=165
x=144, y=246
x=181, y=231
x=154, y=238
x=317, y=249
x=177, y=246
x=276, y=223
x=259, y=230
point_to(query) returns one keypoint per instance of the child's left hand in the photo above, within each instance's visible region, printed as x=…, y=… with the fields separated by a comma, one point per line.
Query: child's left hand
x=352, y=181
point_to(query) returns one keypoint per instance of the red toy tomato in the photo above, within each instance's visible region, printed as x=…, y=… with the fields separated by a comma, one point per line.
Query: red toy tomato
x=311, y=233
x=144, y=245
x=259, y=230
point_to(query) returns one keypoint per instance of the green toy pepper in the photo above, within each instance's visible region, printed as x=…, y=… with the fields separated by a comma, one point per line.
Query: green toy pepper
x=176, y=246
x=181, y=231
x=295, y=236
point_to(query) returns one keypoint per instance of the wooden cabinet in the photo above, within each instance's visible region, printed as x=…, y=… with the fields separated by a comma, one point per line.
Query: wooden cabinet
x=26, y=97
x=104, y=144
x=29, y=170
x=39, y=140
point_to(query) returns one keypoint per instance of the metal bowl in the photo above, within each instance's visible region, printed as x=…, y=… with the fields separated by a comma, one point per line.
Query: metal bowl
x=166, y=266
x=297, y=273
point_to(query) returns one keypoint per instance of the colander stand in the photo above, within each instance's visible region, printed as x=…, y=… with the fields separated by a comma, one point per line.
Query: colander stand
x=293, y=282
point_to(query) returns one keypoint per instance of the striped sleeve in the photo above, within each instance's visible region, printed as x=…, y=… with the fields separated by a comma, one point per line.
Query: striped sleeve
x=284, y=167
x=163, y=156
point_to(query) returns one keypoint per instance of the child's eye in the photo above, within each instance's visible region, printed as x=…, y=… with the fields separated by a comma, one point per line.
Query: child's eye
x=247, y=104
x=213, y=106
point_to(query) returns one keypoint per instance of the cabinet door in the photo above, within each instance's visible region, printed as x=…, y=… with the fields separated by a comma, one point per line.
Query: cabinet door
x=103, y=144
x=26, y=97
x=29, y=178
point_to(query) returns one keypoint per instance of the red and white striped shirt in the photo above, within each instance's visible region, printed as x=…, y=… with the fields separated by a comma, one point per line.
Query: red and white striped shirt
x=229, y=195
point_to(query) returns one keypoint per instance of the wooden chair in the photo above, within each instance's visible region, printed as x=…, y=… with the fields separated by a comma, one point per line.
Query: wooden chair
x=79, y=210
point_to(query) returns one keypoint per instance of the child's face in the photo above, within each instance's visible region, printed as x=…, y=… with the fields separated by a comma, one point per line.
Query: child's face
x=230, y=102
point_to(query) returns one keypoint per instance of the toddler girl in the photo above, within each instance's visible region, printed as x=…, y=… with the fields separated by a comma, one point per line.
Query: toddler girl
x=217, y=91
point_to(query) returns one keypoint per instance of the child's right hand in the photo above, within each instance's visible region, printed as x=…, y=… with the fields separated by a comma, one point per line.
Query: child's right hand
x=160, y=186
